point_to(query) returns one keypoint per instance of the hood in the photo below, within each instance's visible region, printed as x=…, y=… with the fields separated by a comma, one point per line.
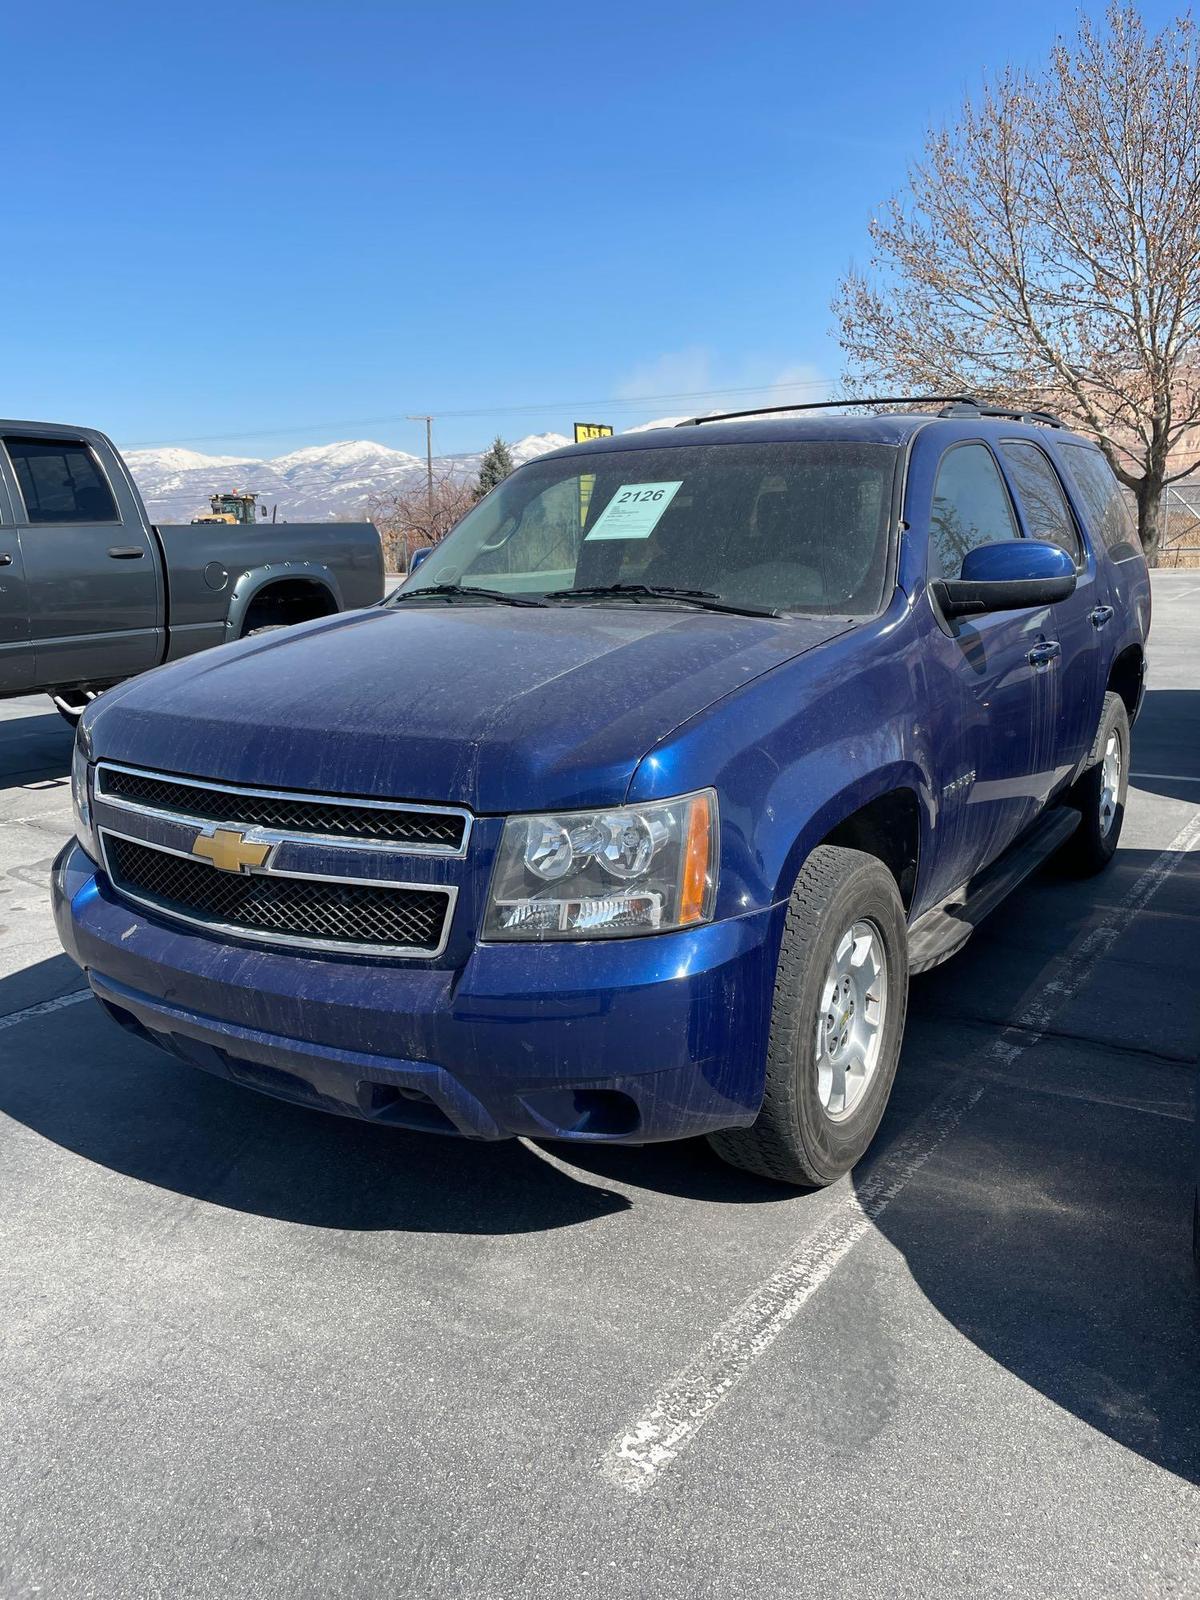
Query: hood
x=492, y=707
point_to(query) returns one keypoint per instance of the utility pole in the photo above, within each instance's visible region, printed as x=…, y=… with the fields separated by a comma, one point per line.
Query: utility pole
x=428, y=421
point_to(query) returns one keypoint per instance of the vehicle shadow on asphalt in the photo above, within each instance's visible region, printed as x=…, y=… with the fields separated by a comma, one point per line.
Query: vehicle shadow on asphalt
x=33, y=749
x=1053, y=1228
x=1059, y=1243
x=75, y=1078
x=1166, y=742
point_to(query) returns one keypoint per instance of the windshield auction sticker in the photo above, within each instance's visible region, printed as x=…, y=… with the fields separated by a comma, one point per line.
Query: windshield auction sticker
x=634, y=511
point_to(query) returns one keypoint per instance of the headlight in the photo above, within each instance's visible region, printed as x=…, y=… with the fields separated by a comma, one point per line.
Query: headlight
x=81, y=804
x=595, y=874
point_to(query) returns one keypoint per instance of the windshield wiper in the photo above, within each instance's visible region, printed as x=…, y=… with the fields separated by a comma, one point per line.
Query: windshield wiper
x=705, y=598
x=456, y=591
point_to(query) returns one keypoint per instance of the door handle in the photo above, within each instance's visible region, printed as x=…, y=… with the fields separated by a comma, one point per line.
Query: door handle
x=6, y=559
x=1043, y=654
x=1101, y=615
x=126, y=552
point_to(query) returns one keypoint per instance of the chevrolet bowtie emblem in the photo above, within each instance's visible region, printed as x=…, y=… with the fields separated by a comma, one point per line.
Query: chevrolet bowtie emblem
x=229, y=850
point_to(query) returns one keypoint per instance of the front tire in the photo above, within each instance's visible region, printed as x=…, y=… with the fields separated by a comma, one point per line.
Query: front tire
x=837, y=1022
x=1099, y=795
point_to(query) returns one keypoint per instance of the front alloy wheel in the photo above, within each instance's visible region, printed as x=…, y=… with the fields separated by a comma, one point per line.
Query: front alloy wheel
x=837, y=1021
x=850, y=1026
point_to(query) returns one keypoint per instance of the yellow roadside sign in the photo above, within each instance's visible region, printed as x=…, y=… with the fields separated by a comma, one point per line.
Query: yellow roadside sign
x=589, y=430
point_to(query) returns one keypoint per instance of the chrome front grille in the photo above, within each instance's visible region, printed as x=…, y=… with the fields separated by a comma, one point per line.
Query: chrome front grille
x=319, y=873
x=419, y=829
x=313, y=912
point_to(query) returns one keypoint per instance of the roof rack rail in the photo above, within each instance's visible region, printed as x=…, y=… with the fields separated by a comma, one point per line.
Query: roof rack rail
x=980, y=408
x=953, y=405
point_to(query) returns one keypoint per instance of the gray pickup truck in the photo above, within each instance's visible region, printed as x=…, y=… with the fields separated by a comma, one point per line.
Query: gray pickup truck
x=92, y=592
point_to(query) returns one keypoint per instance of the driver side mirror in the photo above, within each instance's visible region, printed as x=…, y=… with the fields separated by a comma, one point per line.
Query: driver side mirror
x=1016, y=575
x=415, y=560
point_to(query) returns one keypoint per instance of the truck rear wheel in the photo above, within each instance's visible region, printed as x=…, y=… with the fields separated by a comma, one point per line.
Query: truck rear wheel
x=837, y=1022
x=1099, y=795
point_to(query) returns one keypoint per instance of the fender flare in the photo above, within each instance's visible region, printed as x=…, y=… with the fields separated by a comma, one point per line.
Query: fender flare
x=251, y=582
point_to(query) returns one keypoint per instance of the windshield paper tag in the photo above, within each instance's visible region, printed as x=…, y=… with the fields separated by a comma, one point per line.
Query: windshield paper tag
x=634, y=511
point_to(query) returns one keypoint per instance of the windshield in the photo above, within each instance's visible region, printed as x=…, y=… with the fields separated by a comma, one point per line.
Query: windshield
x=778, y=527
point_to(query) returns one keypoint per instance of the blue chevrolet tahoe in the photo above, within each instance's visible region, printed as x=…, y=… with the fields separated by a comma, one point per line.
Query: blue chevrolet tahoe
x=628, y=817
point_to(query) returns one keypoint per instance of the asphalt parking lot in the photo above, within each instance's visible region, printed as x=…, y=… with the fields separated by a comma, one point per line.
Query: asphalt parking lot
x=248, y=1349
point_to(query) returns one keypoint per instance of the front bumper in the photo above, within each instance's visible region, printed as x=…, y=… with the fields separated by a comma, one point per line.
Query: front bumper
x=625, y=1040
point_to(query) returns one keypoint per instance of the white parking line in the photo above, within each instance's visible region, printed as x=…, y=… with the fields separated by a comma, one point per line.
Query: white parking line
x=45, y=1007
x=1118, y=1102
x=1165, y=777
x=1179, y=594
x=636, y=1459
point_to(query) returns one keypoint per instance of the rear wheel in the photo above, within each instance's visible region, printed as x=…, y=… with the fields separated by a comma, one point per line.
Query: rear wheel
x=837, y=1022
x=286, y=602
x=1099, y=795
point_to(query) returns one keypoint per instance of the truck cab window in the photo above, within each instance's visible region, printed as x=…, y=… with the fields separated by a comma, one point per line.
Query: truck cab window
x=1047, y=515
x=60, y=481
x=970, y=508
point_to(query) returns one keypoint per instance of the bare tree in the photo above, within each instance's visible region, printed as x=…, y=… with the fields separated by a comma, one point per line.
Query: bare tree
x=1046, y=250
x=415, y=516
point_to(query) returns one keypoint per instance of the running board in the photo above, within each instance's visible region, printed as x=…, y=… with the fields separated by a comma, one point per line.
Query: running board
x=941, y=932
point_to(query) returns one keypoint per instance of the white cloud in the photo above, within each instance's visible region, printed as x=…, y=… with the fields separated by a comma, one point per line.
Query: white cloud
x=713, y=383
x=677, y=372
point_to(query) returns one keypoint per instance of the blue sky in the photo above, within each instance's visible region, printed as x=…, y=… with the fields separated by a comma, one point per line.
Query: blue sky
x=250, y=228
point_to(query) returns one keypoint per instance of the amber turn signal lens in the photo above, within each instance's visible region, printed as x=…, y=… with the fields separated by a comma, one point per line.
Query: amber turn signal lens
x=697, y=847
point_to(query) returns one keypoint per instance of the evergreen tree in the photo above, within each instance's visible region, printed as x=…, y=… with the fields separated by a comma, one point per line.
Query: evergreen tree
x=495, y=467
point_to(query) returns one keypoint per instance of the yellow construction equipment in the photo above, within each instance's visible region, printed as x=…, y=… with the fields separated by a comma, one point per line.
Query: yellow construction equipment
x=240, y=506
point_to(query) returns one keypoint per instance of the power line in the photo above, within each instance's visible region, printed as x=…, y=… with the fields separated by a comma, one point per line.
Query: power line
x=622, y=402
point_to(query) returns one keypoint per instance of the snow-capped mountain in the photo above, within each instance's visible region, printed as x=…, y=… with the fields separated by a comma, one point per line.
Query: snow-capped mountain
x=307, y=485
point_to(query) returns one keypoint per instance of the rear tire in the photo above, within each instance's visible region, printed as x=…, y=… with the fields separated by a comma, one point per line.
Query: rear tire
x=841, y=992
x=1099, y=795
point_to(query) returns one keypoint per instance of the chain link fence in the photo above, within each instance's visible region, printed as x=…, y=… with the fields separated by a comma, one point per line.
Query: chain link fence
x=1181, y=537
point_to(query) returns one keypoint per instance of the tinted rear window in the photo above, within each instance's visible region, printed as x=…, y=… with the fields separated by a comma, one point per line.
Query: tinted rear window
x=60, y=481
x=1108, y=514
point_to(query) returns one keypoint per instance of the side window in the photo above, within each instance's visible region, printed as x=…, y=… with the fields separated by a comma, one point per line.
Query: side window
x=1047, y=514
x=970, y=508
x=60, y=481
x=1104, y=500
